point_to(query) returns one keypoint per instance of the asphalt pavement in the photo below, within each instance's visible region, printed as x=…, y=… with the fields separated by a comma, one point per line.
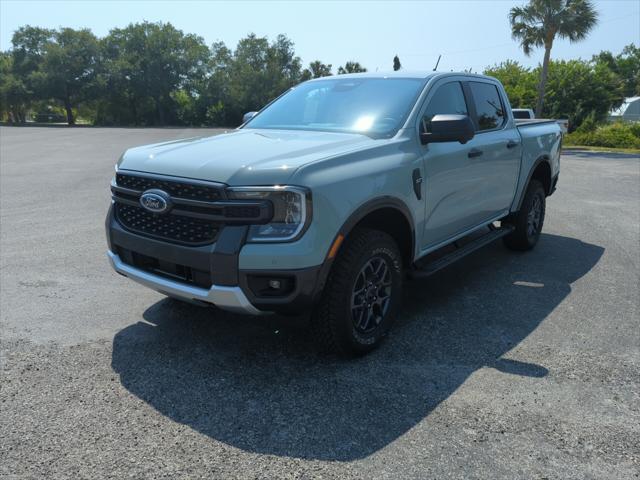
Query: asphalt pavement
x=504, y=365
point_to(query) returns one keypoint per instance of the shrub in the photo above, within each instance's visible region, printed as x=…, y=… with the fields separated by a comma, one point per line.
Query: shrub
x=590, y=124
x=635, y=128
x=613, y=135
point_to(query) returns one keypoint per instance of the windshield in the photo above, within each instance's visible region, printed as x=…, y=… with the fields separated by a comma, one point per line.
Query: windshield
x=373, y=106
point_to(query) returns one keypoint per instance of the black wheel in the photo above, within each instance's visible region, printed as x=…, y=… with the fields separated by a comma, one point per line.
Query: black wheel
x=528, y=220
x=362, y=294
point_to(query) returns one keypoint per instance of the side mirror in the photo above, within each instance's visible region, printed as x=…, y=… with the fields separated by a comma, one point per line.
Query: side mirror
x=449, y=128
x=248, y=116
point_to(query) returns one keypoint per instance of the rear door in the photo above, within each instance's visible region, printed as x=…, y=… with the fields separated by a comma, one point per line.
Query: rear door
x=498, y=145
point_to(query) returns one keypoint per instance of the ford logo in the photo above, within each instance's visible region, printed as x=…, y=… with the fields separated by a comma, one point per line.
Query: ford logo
x=155, y=201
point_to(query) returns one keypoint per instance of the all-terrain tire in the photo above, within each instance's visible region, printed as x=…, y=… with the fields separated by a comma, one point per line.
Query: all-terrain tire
x=339, y=319
x=528, y=221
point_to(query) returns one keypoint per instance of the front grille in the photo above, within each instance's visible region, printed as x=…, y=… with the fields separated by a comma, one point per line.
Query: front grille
x=171, y=227
x=189, y=191
x=179, y=225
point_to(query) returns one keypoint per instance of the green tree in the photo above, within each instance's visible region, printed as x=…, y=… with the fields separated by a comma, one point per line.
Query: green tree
x=250, y=77
x=144, y=64
x=68, y=68
x=29, y=48
x=14, y=97
x=578, y=89
x=351, y=67
x=316, y=69
x=538, y=23
x=396, y=64
x=216, y=88
x=519, y=82
x=28, y=53
x=626, y=65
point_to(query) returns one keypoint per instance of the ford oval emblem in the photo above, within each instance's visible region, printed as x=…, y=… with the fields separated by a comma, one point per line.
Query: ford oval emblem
x=155, y=201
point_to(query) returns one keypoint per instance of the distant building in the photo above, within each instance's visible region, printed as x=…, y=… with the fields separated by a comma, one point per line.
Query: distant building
x=628, y=111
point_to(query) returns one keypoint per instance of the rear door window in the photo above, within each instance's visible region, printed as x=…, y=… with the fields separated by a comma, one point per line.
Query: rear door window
x=448, y=99
x=489, y=109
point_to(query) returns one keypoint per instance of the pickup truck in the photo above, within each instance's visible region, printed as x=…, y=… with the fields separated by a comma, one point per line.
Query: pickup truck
x=326, y=200
x=524, y=115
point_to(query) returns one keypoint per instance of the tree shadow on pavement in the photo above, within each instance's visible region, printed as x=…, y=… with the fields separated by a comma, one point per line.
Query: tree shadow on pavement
x=586, y=154
x=258, y=383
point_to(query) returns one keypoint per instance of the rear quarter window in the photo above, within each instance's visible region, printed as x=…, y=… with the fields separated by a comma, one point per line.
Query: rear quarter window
x=489, y=109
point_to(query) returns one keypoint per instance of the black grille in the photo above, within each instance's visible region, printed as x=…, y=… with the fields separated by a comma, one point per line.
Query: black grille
x=190, y=191
x=171, y=227
x=173, y=271
x=237, y=211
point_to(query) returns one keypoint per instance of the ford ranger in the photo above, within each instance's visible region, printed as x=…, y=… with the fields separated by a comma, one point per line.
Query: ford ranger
x=325, y=200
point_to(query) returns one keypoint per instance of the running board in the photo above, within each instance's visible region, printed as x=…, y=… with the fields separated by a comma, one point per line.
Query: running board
x=430, y=268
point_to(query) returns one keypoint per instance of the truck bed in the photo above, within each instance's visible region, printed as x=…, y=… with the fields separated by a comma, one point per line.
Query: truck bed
x=540, y=138
x=525, y=122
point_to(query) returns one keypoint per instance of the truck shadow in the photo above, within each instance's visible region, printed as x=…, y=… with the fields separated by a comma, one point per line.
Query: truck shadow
x=259, y=385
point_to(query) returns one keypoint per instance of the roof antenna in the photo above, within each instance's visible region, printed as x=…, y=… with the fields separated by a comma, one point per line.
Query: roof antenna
x=437, y=63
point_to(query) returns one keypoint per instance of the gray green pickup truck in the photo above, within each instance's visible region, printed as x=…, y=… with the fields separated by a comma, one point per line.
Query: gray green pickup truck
x=327, y=199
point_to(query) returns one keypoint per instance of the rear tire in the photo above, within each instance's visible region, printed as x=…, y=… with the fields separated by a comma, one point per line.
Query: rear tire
x=362, y=294
x=528, y=220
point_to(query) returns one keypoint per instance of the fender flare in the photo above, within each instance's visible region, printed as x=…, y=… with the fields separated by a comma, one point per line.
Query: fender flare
x=536, y=164
x=376, y=204
x=356, y=216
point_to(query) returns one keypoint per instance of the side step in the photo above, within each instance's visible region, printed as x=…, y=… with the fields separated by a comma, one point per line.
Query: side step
x=427, y=269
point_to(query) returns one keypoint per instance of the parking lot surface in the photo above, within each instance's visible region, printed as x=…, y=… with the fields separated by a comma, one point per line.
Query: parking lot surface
x=502, y=366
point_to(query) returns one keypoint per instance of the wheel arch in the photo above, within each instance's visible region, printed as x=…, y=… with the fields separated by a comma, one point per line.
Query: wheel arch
x=390, y=215
x=390, y=211
x=541, y=171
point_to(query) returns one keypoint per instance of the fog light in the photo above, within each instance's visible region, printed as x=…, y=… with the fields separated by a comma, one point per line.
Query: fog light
x=271, y=286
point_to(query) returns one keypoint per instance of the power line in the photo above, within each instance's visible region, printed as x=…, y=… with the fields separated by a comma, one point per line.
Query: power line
x=457, y=52
x=490, y=47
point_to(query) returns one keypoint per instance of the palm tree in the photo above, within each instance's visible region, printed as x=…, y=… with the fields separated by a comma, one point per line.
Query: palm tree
x=539, y=22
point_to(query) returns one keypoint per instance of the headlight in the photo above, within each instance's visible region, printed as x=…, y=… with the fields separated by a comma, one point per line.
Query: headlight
x=291, y=211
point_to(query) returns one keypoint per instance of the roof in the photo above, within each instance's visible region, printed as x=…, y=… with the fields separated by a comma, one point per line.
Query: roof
x=630, y=106
x=392, y=74
x=426, y=75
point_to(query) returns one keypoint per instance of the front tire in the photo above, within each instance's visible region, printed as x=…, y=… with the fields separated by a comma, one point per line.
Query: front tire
x=362, y=294
x=528, y=220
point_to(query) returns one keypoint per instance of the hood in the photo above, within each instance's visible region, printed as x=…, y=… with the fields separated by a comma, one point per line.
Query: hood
x=242, y=157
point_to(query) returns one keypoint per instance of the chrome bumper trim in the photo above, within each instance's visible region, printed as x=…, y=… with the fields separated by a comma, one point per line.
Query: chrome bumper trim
x=226, y=298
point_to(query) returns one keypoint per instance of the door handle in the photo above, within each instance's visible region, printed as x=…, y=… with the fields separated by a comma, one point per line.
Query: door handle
x=512, y=144
x=474, y=152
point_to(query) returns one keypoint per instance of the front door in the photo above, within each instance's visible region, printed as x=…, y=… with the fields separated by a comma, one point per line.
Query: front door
x=467, y=185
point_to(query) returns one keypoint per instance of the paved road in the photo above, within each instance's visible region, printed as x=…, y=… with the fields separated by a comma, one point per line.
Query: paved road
x=502, y=366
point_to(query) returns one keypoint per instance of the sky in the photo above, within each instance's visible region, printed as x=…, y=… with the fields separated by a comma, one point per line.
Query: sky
x=470, y=34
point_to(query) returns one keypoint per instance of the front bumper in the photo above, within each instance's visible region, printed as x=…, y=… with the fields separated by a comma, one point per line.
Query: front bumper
x=214, y=273
x=227, y=298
